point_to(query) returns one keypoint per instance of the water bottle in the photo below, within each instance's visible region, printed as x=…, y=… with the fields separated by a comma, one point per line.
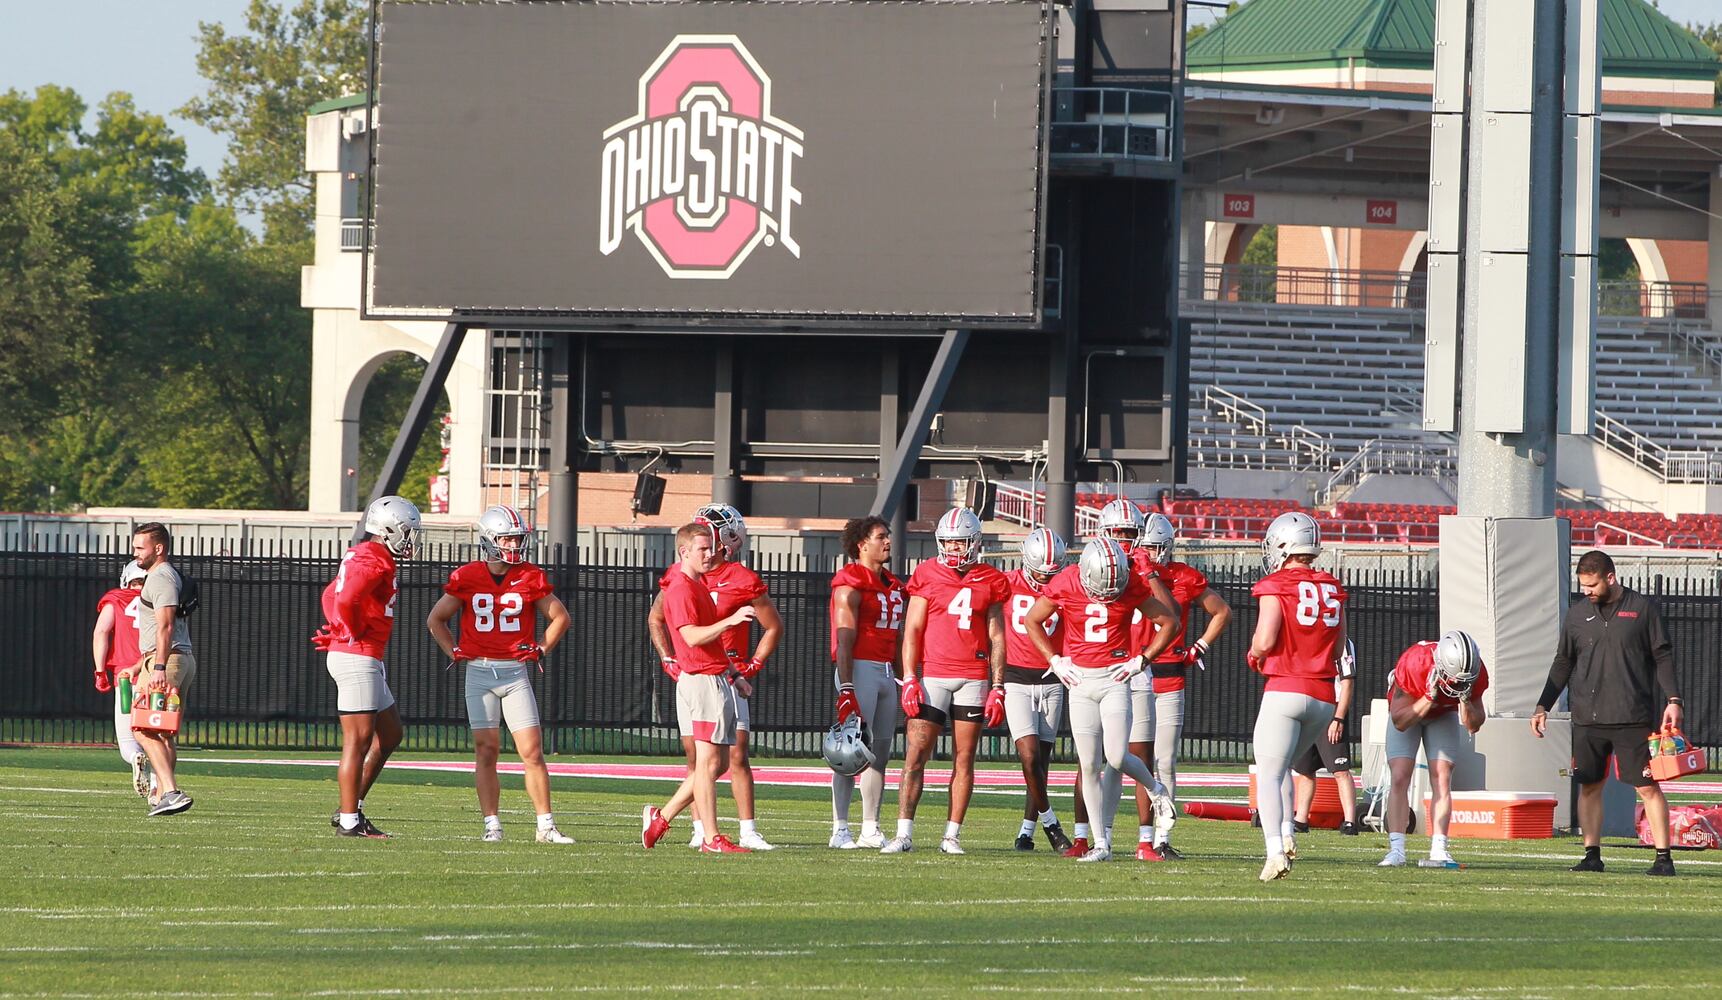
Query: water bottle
x=157, y=702
x=173, y=700
x=1679, y=742
x=126, y=692
x=1668, y=749
x=1655, y=744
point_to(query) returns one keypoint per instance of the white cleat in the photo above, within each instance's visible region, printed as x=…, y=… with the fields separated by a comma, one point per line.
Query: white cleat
x=754, y=842
x=897, y=845
x=871, y=841
x=1394, y=859
x=949, y=845
x=143, y=779
x=1291, y=851
x=842, y=840
x=1441, y=860
x=1165, y=813
x=492, y=836
x=1277, y=866
x=1094, y=854
x=553, y=836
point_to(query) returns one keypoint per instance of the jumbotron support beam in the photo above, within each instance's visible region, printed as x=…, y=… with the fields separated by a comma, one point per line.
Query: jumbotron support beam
x=418, y=416
x=894, y=477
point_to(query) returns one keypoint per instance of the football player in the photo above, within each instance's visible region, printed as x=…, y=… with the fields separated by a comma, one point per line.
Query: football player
x=1300, y=629
x=1096, y=599
x=732, y=585
x=705, y=702
x=499, y=599
x=1436, y=688
x=1169, y=671
x=114, y=645
x=867, y=605
x=1034, y=701
x=954, y=636
x=1331, y=750
x=359, y=615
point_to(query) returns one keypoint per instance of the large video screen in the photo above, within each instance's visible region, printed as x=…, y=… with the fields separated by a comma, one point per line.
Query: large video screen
x=745, y=162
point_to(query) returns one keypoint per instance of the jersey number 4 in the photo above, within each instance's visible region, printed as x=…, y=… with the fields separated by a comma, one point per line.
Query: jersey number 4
x=490, y=613
x=1314, y=604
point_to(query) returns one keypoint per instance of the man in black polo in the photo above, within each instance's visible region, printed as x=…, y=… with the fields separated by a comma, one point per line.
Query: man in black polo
x=1613, y=646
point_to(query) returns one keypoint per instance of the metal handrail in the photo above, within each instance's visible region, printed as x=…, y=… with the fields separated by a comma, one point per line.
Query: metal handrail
x=1231, y=406
x=1019, y=506
x=1313, y=286
x=1654, y=299
x=1114, y=123
x=1659, y=543
x=1319, y=447
x=354, y=233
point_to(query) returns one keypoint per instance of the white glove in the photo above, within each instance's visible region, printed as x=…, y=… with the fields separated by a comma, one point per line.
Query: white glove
x=1065, y=671
x=1432, y=685
x=1348, y=661
x=1126, y=670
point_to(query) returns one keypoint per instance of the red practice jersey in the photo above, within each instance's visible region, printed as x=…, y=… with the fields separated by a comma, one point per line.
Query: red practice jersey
x=1096, y=633
x=497, y=613
x=734, y=586
x=362, y=598
x=1187, y=584
x=1023, y=662
x=1143, y=567
x=880, y=616
x=1310, y=603
x=687, y=601
x=1411, y=675
x=123, y=651
x=955, y=642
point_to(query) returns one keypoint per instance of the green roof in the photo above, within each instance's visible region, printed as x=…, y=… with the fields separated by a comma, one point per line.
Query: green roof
x=337, y=104
x=1637, y=39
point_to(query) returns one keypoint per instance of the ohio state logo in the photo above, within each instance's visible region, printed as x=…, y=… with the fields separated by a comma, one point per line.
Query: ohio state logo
x=702, y=172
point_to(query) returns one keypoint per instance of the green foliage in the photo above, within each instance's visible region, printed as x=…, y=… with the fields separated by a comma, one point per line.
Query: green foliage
x=1264, y=248
x=387, y=397
x=260, y=84
x=1615, y=262
x=1198, y=30
x=1711, y=35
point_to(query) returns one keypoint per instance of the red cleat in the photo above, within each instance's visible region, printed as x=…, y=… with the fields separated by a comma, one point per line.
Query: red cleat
x=653, y=826
x=1078, y=848
x=1146, y=852
x=721, y=844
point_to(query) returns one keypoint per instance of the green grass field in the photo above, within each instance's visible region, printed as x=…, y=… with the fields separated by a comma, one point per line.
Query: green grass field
x=251, y=895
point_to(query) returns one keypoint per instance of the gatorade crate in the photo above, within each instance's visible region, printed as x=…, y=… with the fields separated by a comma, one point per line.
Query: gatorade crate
x=1500, y=815
x=1670, y=766
x=156, y=720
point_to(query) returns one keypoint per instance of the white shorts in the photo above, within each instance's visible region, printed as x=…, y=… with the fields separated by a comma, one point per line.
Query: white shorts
x=743, y=719
x=956, y=698
x=361, y=683
x=705, y=708
x=1141, y=711
x=1034, y=710
x=498, y=690
x=1441, y=738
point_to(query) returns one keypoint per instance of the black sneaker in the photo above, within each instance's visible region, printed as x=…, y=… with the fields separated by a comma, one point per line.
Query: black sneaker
x=335, y=820
x=1171, y=853
x=1299, y=827
x=1348, y=829
x=1661, y=866
x=1025, y=841
x=1591, y=863
x=363, y=828
x=1055, y=836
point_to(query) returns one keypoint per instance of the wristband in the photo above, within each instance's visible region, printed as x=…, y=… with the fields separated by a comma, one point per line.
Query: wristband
x=1339, y=719
x=1676, y=701
x=845, y=687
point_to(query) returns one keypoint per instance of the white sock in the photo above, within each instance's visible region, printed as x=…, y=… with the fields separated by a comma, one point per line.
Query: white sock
x=837, y=828
x=1145, y=834
x=906, y=828
x=1049, y=818
x=747, y=827
x=349, y=820
x=1027, y=829
x=492, y=823
x=699, y=831
x=546, y=821
x=1286, y=829
x=1437, y=845
x=1276, y=845
x=1161, y=838
x=953, y=830
x=868, y=828
x=1082, y=831
x=1396, y=843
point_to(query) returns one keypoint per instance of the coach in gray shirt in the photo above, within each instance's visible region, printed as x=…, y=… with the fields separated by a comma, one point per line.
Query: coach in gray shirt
x=165, y=663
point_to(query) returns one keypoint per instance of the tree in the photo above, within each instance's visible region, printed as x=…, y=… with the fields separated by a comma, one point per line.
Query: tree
x=1711, y=35
x=387, y=397
x=260, y=85
x=1198, y=30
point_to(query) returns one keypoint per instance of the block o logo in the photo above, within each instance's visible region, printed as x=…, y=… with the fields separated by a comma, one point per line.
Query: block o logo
x=702, y=172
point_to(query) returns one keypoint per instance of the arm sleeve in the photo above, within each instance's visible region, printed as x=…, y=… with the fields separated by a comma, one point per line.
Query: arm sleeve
x=1662, y=649
x=1559, y=671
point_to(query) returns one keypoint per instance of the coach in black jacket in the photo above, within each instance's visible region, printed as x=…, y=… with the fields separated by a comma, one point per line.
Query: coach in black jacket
x=1612, y=645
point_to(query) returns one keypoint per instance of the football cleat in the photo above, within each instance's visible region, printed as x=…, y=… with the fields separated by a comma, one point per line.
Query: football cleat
x=1661, y=866
x=842, y=840
x=949, y=845
x=1165, y=812
x=551, y=835
x=141, y=776
x=1056, y=838
x=1442, y=858
x=1291, y=850
x=1170, y=853
x=871, y=841
x=1589, y=864
x=363, y=828
x=897, y=845
x=335, y=819
x=1394, y=859
x=1096, y=854
x=1025, y=841
x=721, y=844
x=754, y=842
x=653, y=826
x=1147, y=852
x=1348, y=829
x=1277, y=866
x=1299, y=827
x=492, y=836
x=1077, y=848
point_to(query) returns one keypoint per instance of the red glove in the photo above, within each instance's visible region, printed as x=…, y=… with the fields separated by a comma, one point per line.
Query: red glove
x=329, y=635
x=670, y=667
x=104, y=682
x=847, y=704
x=750, y=668
x=527, y=651
x=913, y=695
x=994, y=713
x=460, y=656
x=1193, y=655
x=1256, y=663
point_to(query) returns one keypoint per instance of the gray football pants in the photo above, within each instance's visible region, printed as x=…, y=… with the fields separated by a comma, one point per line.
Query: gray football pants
x=1099, y=709
x=1168, y=730
x=876, y=690
x=1286, y=726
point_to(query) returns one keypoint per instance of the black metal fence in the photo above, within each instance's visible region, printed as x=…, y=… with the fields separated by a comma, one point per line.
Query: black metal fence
x=260, y=683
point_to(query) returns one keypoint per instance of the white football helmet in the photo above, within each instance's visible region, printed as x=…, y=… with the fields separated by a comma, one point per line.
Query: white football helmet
x=1042, y=556
x=1158, y=536
x=132, y=573
x=731, y=529
x=1293, y=533
x=959, y=524
x=498, y=522
x=1457, y=663
x=846, y=748
x=394, y=521
x=1121, y=521
x=1104, y=569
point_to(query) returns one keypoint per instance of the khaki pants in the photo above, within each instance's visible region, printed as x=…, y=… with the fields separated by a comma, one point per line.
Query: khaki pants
x=181, y=670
